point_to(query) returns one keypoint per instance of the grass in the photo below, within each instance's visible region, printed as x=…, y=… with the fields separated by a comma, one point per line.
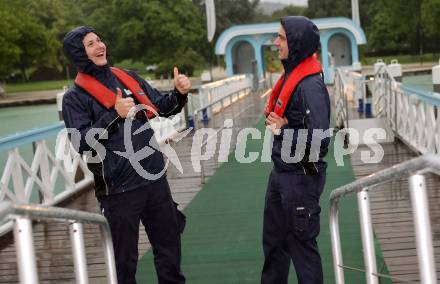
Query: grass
x=36, y=86
x=59, y=84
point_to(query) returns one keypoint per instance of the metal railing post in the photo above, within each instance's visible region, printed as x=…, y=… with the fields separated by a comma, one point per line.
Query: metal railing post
x=336, y=243
x=24, y=247
x=109, y=254
x=367, y=237
x=78, y=252
x=202, y=172
x=422, y=227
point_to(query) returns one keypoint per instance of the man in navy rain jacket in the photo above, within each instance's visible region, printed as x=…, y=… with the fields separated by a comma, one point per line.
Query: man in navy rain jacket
x=291, y=213
x=125, y=196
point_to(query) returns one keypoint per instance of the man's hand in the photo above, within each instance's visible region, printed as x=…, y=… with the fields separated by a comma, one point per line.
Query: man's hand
x=181, y=82
x=123, y=105
x=275, y=122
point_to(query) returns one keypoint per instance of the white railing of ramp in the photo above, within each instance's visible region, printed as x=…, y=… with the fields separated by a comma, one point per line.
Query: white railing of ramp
x=164, y=128
x=54, y=173
x=212, y=95
x=22, y=181
x=420, y=211
x=412, y=114
x=23, y=215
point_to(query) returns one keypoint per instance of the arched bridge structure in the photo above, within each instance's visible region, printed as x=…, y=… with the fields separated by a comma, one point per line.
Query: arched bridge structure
x=242, y=44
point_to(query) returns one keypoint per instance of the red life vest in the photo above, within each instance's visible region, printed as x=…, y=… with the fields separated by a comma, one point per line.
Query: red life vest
x=107, y=97
x=280, y=97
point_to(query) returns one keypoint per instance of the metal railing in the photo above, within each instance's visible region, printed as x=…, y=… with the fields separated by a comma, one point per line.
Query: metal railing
x=164, y=128
x=412, y=114
x=219, y=105
x=23, y=238
x=20, y=180
x=340, y=97
x=212, y=96
x=422, y=225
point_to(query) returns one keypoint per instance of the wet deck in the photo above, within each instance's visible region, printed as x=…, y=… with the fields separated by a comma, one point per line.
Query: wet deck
x=392, y=213
x=52, y=240
x=391, y=210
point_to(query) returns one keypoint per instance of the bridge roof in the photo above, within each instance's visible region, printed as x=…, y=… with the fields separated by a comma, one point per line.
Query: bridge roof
x=269, y=28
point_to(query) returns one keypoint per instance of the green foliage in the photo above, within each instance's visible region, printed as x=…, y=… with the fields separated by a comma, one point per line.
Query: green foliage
x=9, y=50
x=290, y=10
x=231, y=12
x=392, y=27
x=430, y=11
x=148, y=31
x=273, y=64
x=25, y=42
x=12, y=88
x=187, y=61
x=131, y=65
x=328, y=8
x=171, y=33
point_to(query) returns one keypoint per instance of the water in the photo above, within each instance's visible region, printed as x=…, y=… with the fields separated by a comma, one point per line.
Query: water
x=19, y=119
x=422, y=82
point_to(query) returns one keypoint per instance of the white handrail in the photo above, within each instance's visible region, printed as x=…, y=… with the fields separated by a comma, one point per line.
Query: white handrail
x=212, y=95
x=422, y=224
x=412, y=114
x=22, y=214
x=46, y=167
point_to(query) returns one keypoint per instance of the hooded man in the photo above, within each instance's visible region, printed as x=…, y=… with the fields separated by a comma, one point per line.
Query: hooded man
x=298, y=111
x=98, y=108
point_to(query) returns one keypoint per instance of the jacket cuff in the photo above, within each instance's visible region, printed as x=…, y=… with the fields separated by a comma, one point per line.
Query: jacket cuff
x=181, y=98
x=281, y=133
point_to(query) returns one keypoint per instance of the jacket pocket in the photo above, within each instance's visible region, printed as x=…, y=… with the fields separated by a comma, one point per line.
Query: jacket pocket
x=306, y=225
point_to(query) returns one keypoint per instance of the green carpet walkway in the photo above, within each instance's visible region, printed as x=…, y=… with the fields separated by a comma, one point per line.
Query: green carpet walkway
x=222, y=240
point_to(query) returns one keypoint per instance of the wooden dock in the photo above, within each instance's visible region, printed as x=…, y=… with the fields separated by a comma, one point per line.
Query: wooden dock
x=390, y=206
x=52, y=240
x=392, y=213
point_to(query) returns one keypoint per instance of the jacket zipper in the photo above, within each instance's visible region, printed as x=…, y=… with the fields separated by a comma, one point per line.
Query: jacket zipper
x=103, y=175
x=102, y=168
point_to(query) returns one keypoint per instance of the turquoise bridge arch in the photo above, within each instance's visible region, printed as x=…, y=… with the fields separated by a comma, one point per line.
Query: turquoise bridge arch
x=340, y=38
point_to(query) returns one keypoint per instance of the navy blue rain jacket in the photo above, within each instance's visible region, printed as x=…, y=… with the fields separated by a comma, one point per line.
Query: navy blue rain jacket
x=114, y=174
x=309, y=105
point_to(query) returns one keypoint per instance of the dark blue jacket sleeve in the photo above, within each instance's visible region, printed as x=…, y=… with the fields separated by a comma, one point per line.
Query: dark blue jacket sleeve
x=76, y=115
x=168, y=103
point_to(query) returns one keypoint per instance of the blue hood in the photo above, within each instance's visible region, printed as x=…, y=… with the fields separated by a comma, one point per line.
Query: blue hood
x=74, y=50
x=302, y=39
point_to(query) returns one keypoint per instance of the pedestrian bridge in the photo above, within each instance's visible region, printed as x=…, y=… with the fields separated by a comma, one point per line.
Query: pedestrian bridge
x=384, y=231
x=243, y=44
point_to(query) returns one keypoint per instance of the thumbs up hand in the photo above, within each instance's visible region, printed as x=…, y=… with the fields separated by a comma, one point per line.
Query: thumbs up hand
x=181, y=82
x=123, y=105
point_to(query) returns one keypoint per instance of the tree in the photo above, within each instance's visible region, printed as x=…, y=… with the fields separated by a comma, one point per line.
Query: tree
x=153, y=31
x=9, y=50
x=328, y=8
x=231, y=12
x=26, y=40
x=290, y=10
x=430, y=12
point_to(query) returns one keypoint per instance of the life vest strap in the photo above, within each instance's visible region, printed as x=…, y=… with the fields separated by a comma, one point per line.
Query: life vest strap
x=281, y=93
x=107, y=97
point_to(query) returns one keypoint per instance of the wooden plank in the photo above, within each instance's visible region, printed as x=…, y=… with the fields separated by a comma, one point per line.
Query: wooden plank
x=52, y=240
x=392, y=215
